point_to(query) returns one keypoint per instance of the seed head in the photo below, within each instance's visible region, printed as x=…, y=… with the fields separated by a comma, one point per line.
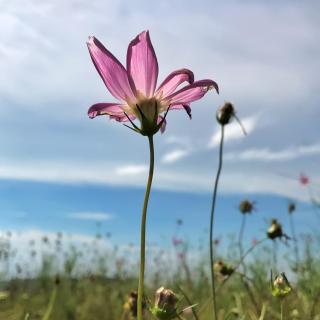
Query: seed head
x=275, y=231
x=291, y=207
x=132, y=302
x=222, y=269
x=225, y=113
x=246, y=206
x=280, y=286
x=165, y=305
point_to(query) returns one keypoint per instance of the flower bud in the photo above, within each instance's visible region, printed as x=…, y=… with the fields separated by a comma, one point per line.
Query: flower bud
x=165, y=306
x=222, y=269
x=275, y=230
x=291, y=207
x=280, y=286
x=225, y=113
x=246, y=206
x=132, y=303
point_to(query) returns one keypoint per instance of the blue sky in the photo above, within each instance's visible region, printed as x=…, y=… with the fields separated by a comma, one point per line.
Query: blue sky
x=263, y=55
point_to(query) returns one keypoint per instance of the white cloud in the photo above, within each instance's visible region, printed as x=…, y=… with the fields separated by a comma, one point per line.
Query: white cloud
x=174, y=155
x=72, y=173
x=253, y=66
x=131, y=170
x=233, y=131
x=178, y=179
x=174, y=139
x=266, y=154
x=94, y=216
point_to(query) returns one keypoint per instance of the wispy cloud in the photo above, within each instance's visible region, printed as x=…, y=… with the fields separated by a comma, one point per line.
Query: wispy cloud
x=234, y=131
x=174, y=155
x=131, y=170
x=267, y=154
x=179, y=140
x=94, y=216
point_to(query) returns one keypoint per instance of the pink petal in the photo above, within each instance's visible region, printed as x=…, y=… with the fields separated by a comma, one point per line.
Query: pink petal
x=186, y=107
x=173, y=80
x=122, y=117
x=192, y=92
x=111, y=109
x=112, y=72
x=142, y=65
x=164, y=123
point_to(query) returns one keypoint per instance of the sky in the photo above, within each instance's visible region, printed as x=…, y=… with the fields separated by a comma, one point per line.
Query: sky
x=263, y=55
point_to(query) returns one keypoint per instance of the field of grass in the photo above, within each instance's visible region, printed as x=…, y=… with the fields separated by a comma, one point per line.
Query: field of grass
x=103, y=288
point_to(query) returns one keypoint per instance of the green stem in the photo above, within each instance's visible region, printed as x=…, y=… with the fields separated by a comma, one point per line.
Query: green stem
x=189, y=302
x=204, y=305
x=51, y=304
x=295, y=241
x=274, y=255
x=281, y=310
x=214, y=197
x=241, y=261
x=143, y=230
x=243, y=223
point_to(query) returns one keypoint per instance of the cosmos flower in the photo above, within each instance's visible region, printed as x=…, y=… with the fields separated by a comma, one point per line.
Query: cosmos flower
x=176, y=241
x=134, y=87
x=303, y=179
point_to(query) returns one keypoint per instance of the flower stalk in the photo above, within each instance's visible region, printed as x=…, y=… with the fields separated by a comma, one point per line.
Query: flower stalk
x=224, y=116
x=291, y=209
x=143, y=230
x=214, y=197
x=52, y=301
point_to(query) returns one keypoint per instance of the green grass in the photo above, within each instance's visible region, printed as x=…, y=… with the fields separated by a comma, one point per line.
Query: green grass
x=103, y=297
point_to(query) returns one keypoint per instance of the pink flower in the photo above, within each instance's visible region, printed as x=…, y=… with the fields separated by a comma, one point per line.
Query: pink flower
x=135, y=86
x=254, y=242
x=176, y=242
x=181, y=255
x=303, y=179
x=217, y=241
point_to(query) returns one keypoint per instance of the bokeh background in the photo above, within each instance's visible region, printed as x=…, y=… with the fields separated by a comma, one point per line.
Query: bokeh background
x=62, y=172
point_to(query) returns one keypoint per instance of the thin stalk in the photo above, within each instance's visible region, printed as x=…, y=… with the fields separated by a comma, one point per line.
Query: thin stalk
x=243, y=223
x=235, y=268
x=214, y=197
x=51, y=304
x=281, y=310
x=275, y=255
x=143, y=230
x=251, y=295
x=190, y=303
x=295, y=241
x=246, y=285
x=241, y=261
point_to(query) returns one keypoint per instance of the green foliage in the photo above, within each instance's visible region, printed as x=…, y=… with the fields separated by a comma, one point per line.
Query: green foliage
x=102, y=294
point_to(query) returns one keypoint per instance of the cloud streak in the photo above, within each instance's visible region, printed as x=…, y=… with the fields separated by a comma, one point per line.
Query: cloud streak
x=266, y=154
x=131, y=170
x=175, y=155
x=94, y=216
x=233, y=131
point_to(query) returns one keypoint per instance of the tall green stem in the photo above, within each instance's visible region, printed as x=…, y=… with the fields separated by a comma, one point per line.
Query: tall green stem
x=51, y=304
x=243, y=223
x=214, y=197
x=281, y=310
x=143, y=230
x=246, y=285
x=295, y=241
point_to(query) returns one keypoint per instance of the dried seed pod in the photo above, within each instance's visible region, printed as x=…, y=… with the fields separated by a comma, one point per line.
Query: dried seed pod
x=222, y=269
x=280, y=286
x=131, y=304
x=246, y=206
x=165, y=306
